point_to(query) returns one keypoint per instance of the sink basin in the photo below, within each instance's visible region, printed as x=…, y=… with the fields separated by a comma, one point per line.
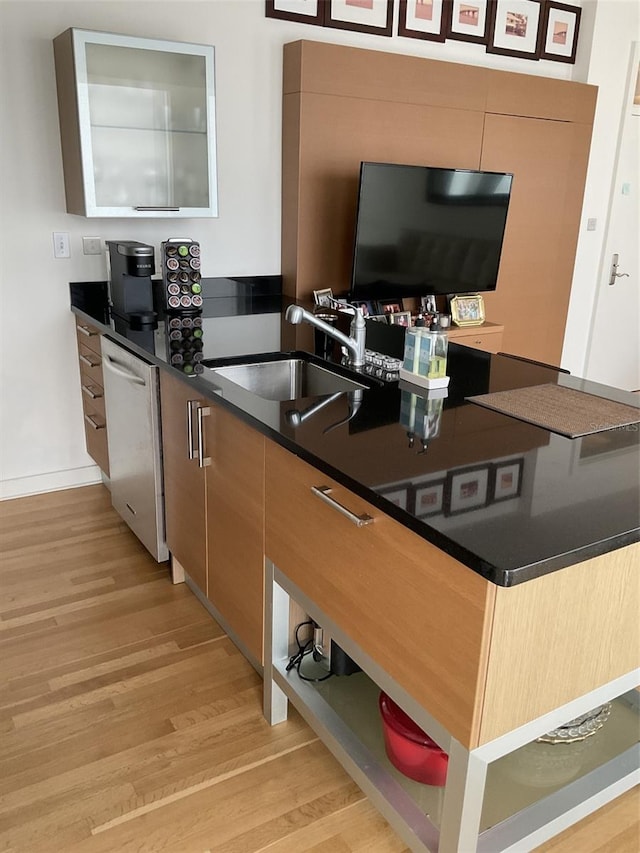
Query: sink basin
x=285, y=379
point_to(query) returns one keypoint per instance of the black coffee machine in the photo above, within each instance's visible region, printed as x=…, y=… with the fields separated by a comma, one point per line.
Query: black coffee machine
x=131, y=266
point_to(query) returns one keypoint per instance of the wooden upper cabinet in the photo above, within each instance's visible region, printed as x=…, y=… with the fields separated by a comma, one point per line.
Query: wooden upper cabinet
x=540, y=97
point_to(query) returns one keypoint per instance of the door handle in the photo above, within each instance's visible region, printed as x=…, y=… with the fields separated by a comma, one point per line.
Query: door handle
x=614, y=274
x=324, y=493
x=203, y=461
x=191, y=406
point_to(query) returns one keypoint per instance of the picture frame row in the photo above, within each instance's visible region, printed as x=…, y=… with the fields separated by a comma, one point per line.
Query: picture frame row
x=528, y=29
x=460, y=490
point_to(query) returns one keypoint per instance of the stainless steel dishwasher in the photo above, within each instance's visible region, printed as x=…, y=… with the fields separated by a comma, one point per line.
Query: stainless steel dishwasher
x=131, y=395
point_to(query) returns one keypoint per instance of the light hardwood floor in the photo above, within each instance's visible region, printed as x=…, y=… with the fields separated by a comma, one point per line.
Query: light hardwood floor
x=130, y=722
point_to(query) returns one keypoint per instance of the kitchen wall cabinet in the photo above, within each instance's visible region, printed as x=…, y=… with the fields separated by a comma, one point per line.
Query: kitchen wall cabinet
x=92, y=386
x=137, y=125
x=214, y=506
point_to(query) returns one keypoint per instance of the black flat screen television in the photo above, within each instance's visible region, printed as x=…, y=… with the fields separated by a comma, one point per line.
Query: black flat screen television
x=424, y=230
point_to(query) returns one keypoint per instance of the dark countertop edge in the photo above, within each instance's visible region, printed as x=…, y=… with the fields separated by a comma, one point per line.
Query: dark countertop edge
x=507, y=577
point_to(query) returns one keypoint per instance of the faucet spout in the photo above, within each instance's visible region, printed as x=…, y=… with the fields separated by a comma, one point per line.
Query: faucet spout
x=355, y=345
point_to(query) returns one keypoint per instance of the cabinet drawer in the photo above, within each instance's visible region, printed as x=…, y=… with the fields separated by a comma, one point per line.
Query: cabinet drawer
x=95, y=430
x=92, y=397
x=488, y=341
x=88, y=336
x=417, y=612
x=90, y=364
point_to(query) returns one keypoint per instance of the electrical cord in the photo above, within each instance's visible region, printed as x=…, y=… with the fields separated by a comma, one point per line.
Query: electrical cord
x=304, y=649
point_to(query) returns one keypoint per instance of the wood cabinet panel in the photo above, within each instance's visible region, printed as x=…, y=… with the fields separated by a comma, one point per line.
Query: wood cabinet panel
x=88, y=336
x=561, y=636
x=487, y=337
x=326, y=138
x=184, y=481
x=90, y=363
x=92, y=388
x=356, y=73
x=549, y=161
x=235, y=526
x=379, y=584
x=516, y=94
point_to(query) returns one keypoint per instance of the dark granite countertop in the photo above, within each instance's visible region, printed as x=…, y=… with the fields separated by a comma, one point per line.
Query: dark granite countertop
x=510, y=500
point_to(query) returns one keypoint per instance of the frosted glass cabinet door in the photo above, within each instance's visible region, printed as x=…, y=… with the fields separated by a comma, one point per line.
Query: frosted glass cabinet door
x=137, y=124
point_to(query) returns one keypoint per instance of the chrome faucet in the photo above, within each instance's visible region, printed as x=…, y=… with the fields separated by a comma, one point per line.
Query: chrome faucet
x=355, y=345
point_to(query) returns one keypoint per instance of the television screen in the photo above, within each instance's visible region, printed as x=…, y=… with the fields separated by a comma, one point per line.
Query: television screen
x=423, y=230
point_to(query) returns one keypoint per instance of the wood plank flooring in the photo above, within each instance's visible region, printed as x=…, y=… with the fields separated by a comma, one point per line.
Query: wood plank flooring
x=130, y=722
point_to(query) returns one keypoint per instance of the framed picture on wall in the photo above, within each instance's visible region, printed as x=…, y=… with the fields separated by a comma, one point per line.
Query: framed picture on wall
x=363, y=16
x=468, y=21
x=507, y=479
x=560, y=31
x=466, y=489
x=515, y=28
x=424, y=19
x=303, y=11
x=397, y=495
x=428, y=498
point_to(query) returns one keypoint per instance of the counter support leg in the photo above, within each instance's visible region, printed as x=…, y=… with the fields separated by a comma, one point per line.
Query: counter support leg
x=276, y=645
x=463, y=797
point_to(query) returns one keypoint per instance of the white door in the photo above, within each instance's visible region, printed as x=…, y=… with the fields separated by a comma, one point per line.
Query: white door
x=613, y=355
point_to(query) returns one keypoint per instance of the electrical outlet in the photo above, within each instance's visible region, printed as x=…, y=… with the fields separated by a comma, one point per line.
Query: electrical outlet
x=91, y=246
x=61, y=244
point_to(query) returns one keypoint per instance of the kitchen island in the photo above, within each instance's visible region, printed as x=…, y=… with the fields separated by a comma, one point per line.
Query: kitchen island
x=495, y=595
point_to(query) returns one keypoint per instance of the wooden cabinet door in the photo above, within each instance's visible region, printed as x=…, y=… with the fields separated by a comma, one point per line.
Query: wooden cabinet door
x=184, y=479
x=235, y=525
x=549, y=162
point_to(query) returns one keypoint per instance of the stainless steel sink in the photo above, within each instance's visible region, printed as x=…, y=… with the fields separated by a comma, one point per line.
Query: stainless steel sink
x=285, y=379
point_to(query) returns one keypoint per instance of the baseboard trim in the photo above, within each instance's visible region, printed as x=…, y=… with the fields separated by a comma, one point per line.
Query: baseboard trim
x=37, y=484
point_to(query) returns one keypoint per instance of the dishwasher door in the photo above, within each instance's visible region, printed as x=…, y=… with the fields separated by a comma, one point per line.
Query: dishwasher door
x=133, y=431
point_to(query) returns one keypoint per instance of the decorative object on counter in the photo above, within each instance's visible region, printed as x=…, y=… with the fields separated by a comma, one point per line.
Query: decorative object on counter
x=467, y=310
x=466, y=489
x=468, y=21
x=515, y=32
x=580, y=728
x=323, y=297
x=401, y=318
x=561, y=409
x=395, y=307
x=409, y=748
x=372, y=16
x=425, y=358
x=424, y=19
x=428, y=304
x=181, y=274
x=560, y=28
x=185, y=343
x=382, y=366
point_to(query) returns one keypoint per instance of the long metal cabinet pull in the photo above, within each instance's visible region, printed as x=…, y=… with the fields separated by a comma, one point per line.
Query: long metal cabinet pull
x=120, y=370
x=155, y=207
x=191, y=405
x=324, y=493
x=86, y=360
x=92, y=423
x=204, y=461
x=85, y=330
x=86, y=390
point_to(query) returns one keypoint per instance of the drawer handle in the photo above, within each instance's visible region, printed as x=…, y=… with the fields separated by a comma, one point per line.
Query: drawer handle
x=324, y=493
x=86, y=390
x=87, y=331
x=89, y=362
x=93, y=423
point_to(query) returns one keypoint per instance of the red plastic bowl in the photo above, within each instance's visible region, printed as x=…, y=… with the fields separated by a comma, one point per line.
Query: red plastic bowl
x=409, y=749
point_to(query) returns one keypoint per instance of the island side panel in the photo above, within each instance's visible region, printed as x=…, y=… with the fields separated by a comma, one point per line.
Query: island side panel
x=421, y=615
x=560, y=636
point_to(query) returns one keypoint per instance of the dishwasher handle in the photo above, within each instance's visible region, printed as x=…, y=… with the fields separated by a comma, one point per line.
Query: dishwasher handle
x=120, y=370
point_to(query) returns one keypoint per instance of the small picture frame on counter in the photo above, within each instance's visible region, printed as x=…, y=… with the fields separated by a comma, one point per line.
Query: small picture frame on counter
x=467, y=489
x=368, y=307
x=401, y=318
x=467, y=310
x=428, y=304
x=323, y=297
x=395, y=307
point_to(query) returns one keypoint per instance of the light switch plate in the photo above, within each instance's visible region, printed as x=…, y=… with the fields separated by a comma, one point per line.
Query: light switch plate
x=91, y=246
x=61, y=244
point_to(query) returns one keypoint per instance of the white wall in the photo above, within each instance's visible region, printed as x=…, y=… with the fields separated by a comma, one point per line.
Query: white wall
x=40, y=408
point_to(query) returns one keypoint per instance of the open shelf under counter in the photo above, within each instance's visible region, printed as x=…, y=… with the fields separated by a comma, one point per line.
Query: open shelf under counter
x=528, y=791
x=486, y=337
